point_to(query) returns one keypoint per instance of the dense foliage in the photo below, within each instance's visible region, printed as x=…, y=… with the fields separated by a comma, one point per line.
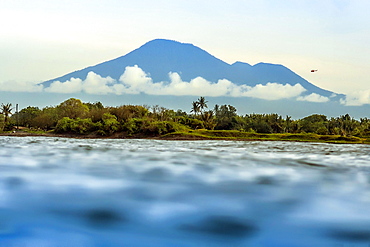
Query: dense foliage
x=75, y=117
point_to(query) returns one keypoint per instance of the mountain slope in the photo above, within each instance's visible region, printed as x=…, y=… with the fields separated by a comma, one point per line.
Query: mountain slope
x=159, y=57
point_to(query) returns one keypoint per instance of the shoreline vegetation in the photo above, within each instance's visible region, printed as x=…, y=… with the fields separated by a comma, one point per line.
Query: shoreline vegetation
x=203, y=134
x=75, y=119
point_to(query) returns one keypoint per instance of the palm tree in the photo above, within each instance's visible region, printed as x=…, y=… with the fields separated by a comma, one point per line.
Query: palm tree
x=6, y=110
x=202, y=103
x=287, y=125
x=208, y=118
x=216, y=109
x=195, y=107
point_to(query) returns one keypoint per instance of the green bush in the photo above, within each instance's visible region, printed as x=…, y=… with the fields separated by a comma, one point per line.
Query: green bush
x=162, y=127
x=76, y=126
x=2, y=122
x=110, y=123
x=191, y=122
x=155, y=128
x=63, y=125
x=262, y=127
x=150, y=127
x=133, y=125
x=322, y=131
x=84, y=126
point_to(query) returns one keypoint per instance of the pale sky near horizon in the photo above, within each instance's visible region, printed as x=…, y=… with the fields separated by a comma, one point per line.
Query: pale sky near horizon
x=41, y=40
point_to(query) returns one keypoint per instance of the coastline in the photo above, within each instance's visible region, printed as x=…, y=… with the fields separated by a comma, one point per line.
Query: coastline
x=225, y=136
x=75, y=119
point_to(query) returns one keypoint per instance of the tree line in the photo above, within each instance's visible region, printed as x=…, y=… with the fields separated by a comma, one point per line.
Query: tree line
x=74, y=116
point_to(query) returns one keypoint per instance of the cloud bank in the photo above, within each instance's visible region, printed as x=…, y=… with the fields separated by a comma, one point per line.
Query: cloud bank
x=15, y=86
x=314, y=97
x=274, y=91
x=135, y=81
x=93, y=84
x=357, y=98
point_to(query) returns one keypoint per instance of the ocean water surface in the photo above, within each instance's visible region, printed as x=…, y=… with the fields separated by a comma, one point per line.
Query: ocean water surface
x=73, y=192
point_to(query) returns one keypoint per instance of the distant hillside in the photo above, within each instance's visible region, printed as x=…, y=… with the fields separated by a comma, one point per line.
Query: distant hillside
x=159, y=57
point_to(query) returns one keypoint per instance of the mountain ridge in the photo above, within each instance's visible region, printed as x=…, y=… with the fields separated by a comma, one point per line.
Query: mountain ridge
x=159, y=57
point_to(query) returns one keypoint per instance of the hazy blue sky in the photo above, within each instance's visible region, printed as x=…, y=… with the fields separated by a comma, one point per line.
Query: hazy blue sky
x=40, y=40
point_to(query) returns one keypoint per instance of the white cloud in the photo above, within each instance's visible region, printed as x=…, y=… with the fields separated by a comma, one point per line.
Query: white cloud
x=197, y=86
x=73, y=85
x=274, y=91
x=14, y=86
x=93, y=84
x=134, y=81
x=356, y=98
x=313, y=97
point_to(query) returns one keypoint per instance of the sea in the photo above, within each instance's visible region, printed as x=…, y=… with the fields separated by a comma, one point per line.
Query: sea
x=140, y=192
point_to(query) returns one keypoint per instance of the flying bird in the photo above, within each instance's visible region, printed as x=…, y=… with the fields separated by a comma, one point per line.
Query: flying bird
x=313, y=70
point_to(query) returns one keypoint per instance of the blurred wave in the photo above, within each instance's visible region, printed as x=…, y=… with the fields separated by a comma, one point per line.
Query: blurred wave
x=71, y=192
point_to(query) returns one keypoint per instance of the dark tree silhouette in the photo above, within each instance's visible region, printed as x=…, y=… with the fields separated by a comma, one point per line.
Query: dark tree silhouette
x=195, y=107
x=202, y=103
x=6, y=110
